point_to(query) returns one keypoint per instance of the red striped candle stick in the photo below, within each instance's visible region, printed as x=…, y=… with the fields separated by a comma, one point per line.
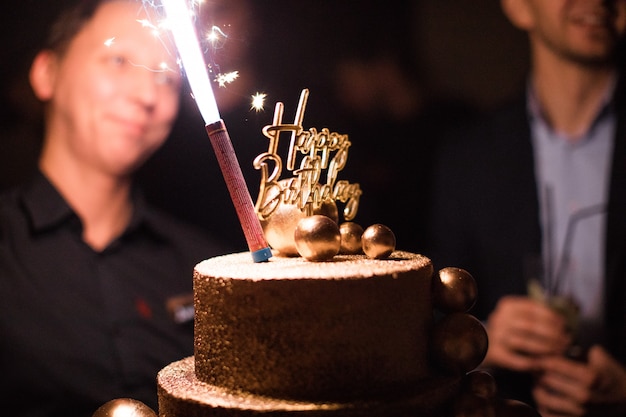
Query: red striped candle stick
x=227, y=159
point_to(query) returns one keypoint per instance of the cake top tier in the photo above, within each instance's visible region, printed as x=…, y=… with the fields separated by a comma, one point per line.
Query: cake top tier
x=241, y=266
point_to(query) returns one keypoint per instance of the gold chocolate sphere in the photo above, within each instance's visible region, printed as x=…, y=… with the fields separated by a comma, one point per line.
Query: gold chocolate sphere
x=350, y=238
x=279, y=228
x=481, y=384
x=124, y=407
x=477, y=396
x=454, y=290
x=378, y=241
x=317, y=238
x=459, y=343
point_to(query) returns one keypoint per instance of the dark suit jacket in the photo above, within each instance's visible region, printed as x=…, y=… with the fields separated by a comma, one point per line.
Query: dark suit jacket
x=484, y=214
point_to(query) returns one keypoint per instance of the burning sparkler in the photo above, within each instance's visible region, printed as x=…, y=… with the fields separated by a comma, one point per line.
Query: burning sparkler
x=180, y=24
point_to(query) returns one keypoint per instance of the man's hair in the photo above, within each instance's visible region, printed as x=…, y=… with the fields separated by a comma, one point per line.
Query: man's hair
x=69, y=22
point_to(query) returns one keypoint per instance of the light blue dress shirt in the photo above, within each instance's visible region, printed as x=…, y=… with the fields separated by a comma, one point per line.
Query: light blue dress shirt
x=573, y=182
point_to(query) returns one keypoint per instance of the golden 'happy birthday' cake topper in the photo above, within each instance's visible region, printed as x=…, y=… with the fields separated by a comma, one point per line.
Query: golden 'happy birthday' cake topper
x=315, y=159
x=319, y=151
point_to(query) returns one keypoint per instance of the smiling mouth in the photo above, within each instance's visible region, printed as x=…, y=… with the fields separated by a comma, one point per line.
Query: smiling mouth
x=137, y=128
x=596, y=20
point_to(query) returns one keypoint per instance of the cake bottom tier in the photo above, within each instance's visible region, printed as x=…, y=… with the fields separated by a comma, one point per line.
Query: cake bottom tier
x=181, y=394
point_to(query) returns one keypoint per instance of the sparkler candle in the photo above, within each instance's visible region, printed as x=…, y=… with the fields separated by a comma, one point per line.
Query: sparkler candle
x=181, y=26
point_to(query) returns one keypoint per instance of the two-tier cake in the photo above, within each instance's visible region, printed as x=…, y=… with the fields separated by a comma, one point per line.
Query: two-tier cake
x=348, y=337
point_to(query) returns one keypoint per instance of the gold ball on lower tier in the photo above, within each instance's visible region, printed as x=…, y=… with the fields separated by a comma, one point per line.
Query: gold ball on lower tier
x=477, y=395
x=480, y=384
x=350, y=238
x=124, y=407
x=378, y=241
x=459, y=343
x=317, y=238
x=454, y=290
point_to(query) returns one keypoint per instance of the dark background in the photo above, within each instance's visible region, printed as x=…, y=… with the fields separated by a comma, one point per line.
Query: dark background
x=455, y=58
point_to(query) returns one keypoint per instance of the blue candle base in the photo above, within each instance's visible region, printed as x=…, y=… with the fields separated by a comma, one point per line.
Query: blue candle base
x=262, y=255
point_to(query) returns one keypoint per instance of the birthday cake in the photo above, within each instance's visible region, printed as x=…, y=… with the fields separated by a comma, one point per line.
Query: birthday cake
x=346, y=337
x=338, y=323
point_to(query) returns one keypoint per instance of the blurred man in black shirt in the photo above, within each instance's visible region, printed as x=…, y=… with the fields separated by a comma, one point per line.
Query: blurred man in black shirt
x=95, y=285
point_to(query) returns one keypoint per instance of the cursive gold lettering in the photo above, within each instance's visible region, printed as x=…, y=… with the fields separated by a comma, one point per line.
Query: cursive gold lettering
x=314, y=153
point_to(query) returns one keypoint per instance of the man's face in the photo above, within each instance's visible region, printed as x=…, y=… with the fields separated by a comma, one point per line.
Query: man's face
x=115, y=91
x=586, y=31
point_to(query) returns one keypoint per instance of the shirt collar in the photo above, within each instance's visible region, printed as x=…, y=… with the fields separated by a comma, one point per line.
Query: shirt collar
x=44, y=205
x=47, y=209
x=537, y=115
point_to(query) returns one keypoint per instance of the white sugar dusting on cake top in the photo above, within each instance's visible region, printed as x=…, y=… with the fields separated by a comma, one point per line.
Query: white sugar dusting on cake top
x=241, y=266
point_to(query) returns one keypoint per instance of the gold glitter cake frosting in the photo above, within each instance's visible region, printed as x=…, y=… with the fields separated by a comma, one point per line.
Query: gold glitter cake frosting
x=345, y=337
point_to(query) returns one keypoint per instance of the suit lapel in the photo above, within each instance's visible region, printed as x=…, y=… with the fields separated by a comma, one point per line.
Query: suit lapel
x=616, y=225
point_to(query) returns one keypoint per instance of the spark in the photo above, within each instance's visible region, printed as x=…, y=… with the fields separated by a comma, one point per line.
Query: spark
x=216, y=37
x=163, y=67
x=229, y=77
x=213, y=39
x=146, y=23
x=258, y=101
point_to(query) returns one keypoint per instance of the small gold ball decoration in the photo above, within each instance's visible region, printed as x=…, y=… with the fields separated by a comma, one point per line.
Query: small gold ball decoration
x=317, y=238
x=350, y=238
x=124, y=407
x=459, y=343
x=478, y=399
x=481, y=384
x=454, y=290
x=279, y=228
x=378, y=241
x=477, y=396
